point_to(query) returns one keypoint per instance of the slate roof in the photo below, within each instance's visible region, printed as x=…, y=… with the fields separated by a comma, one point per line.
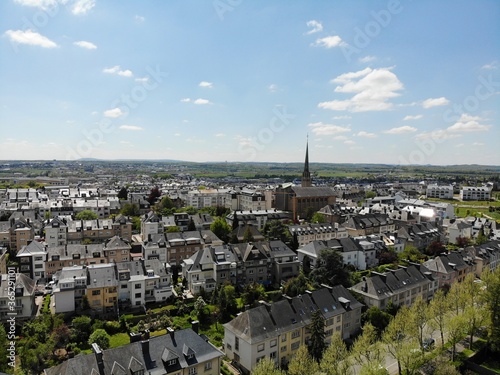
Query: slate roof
x=313, y=191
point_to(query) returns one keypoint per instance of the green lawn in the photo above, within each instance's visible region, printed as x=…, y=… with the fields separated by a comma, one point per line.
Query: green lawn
x=119, y=339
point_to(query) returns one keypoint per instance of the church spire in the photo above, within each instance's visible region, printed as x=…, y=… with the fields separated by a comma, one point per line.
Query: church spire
x=306, y=175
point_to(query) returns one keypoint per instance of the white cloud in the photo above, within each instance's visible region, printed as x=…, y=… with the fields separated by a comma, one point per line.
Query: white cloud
x=492, y=65
x=113, y=113
x=201, y=101
x=345, y=117
x=42, y=4
x=319, y=128
x=142, y=79
x=117, y=70
x=177, y=134
x=367, y=59
x=437, y=135
x=329, y=41
x=139, y=18
x=478, y=144
x=364, y=134
x=410, y=117
x=84, y=44
x=468, y=123
x=340, y=138
x=81, y=7
x=206, y=84
x=272, y=87
x=315, y=26
x=131, y=127
x=186, y=100
x=30, y=37
x=349, y=142
x=220, y=135
x=435, y=102
x=372, y=88
x=401, y=130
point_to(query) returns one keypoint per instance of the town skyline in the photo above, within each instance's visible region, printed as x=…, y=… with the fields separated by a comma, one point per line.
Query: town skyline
x=398, y=83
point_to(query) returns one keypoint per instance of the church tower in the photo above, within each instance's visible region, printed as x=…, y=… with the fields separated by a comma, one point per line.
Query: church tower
x=306, y=175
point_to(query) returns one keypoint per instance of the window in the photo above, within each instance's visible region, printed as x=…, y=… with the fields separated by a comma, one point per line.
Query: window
x=260, y=347
x=283, y=338
x=208, y=366
x=96, y=292
x=236, y=343
x=272, y=355
x=295, y=334
x=138, y=295
x=295, y=345
x=137, y=286
x=273, y=343
x=192, y=371
x=283, y=348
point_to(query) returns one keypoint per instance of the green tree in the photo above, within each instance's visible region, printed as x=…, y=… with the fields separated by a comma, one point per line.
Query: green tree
x=173, y=229
x=252, y=293
x=297, y=285
x=130, y=209
x=294, y=243
x=455, y=326
x=367, y=350
x=318, y=218
x=370, y=194
x=226, y=302
x=481, y=237
x=81, y=328
x=330, y=269
x=266, y=366
x=166, y=204
x=220, y=228
x=475, y=312
x=153, y=196
x=492, y=300
x=411, y=253
x=276, y=230
x=236, y=221
x=317, y=343
x=86, y=215
x=191, y=225
x=3, y=349
x=100, y=337
x=302, y=363
x=336, y=359
x=247, y=235
x=439, y=308
x=123, y=193
x=377, y=318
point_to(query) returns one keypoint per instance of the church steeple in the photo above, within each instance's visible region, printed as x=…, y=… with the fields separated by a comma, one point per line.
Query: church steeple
x=306, y=175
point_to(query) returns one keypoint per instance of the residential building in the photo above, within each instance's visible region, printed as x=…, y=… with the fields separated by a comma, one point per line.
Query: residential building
x=208, y=198
x=182, y=245
x=459, y=228
x=451, y=267
x=73, y=255
x=22, y=288
x=373, y=223
x=182, y=352
x=400, y=287
x=102, y=287
x=439, y=191
x=70, y=287
x=420, y=235
x=277, y=330
x=32, y=259
x=256, y=218
x=472, y=193
x=306, y=233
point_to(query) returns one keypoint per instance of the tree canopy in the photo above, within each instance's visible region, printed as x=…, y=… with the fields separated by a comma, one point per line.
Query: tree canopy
x=330, y=269
x=86, y=215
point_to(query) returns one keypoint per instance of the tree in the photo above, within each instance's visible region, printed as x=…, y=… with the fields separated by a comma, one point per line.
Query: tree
x=481, y=237
x=367, y=350
x=226, y=302
x=220, y=228
x=173, y=229
x=462, y=241
x=86, y=215
x=81, y=328
x=252, y=293
x=276, y=230
x=438, y=310
x=297, y=285
x=455, y=326
x=388, y=256
x=153, y=196
x=377, y=318
x=100, y=337
x=336, y=359
x=191, y=226
x=123, y=193
x=294, y=243
x=130, y=209
x=236, y=221
x=419, y=315
x=318, y=218
x=247, y=235
x=411, y=253
x=330, y=269
x=370, y=194
x=302, y=363
x=492, y=300
x=435, y=248
x=266, y=366
x=317, y=343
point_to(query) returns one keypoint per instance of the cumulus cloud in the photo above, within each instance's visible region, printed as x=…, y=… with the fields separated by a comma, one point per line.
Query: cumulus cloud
x=201, y=101
x=117, y=70
x=131, y=127
x=315, y=26
x=142, y=79
x=329, y=41
x=320, y=128
x=30, y=37
x=349, y=142
x=42, y=4
x=220, y=135
x=410, y=117
x=435, y=102
x=345, y=117
x=206, y=84
x=364, y=134
x=401, y=130
x=468, y=123
x=492, y=65
x=139, y=19
x=272, y=87
x=372, y=89
x=82, y=7
x=113, y=113
x=84, y=44
x=367, y=59
x=478, y=144
x=186, y=100
x=437, y=135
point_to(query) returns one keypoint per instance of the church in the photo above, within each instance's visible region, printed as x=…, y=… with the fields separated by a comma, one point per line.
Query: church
x=303, y=201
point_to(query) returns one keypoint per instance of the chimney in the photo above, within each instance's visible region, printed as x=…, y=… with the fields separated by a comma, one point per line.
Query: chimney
x=195, y=326
x=171, y=332
x=146, y=334
x=98, y=354
x=145, y=348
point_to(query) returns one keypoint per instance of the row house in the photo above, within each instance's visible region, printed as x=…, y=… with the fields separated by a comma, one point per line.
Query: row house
x=70, y=288
x=17, y=232
x=98, y=230
x=257, y=218
x=277, y=330
x=420, y=235
x=180, y=352
x=17, y=297
x=251, y=200
x=32, y=258
x=439, y=191
x=440, y=209
x=486, y=256
x=338, y=212
x=21, y=195
x=182, y=245
x=400, y=287
x=307, y=233
x=208, y=198
x=451, y=267
x=472, y=193
x=59, y=257
x=102, y=287
x=362, y=225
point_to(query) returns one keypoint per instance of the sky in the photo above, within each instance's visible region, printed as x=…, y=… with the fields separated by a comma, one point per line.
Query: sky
x=394, y=82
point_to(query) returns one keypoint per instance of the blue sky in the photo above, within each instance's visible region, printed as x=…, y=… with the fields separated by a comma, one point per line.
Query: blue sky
x=396, y=82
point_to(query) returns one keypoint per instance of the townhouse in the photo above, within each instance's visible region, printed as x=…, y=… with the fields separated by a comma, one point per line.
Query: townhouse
x=59, y=257
x=23, y=305
x=182, y=245
x=451, y=267
x=180, y=352
x=420, y=235
x=256, y=218
x=208, y=198
x=102, y=287
x=439, y=191
x=70, y=288
x=472, y=193
x=373, y=223
x=277, y=330
x=32, y=259
x=400, y=287
x=98, y=230
x=307, y=233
